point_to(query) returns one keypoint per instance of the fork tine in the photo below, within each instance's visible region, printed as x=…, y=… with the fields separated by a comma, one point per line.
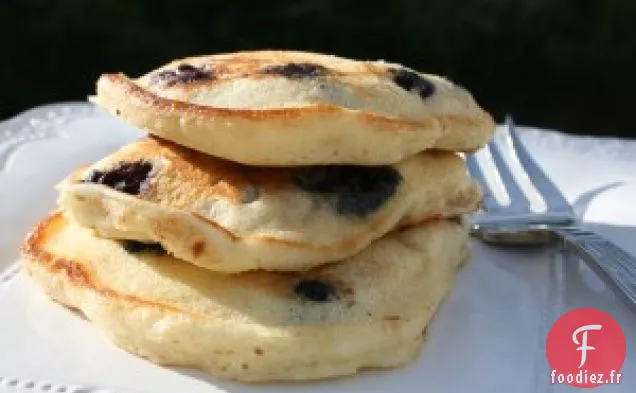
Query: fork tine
x=554, y=200
x=518, y=200
x=489, y=200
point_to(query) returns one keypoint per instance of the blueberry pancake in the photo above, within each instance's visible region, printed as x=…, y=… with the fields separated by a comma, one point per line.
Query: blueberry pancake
x=231, y=217
x=368, y=311
x=285, y=108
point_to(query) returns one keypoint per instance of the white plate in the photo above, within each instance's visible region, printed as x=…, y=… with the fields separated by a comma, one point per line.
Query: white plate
x=489, y=336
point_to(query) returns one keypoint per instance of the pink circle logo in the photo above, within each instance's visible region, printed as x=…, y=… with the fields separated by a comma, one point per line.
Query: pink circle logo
x=585, y=348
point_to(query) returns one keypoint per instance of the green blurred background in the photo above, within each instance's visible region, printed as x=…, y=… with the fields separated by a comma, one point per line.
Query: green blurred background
x=565, y=64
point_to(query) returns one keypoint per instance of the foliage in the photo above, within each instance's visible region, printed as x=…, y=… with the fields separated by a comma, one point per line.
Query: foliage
x=564, y=64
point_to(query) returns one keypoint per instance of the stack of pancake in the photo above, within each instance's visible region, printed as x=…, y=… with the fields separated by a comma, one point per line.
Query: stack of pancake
x=289, y=215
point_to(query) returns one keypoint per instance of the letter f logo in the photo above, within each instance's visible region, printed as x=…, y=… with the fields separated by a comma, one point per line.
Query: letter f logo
x=583, y=344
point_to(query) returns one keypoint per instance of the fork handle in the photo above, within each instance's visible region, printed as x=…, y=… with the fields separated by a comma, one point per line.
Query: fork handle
x=610, y=262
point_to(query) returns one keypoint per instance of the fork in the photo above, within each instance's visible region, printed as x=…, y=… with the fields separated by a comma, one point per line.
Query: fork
x=514, y=223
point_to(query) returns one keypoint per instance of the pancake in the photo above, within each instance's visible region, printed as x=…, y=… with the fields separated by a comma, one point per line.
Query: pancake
x=368, y=311
x=285, y=108
x=230, y=217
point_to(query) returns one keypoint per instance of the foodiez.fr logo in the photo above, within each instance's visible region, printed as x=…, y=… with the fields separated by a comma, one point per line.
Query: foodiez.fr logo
x=585, y=348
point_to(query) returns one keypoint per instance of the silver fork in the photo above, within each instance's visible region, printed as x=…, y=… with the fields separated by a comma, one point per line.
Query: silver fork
x=515, y=223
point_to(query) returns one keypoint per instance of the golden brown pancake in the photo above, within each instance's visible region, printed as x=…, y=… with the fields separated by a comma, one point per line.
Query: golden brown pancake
x=287, y=108
x=231, y=217
x=367, y=311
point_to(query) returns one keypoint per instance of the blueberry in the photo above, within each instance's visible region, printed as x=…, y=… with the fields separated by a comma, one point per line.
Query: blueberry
x=136, y=247
x=412, y=81
x=127, y=177
x=185, y=73
x=315, y=291
x=353, y=190
x=168, y=76
x=296, y=70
